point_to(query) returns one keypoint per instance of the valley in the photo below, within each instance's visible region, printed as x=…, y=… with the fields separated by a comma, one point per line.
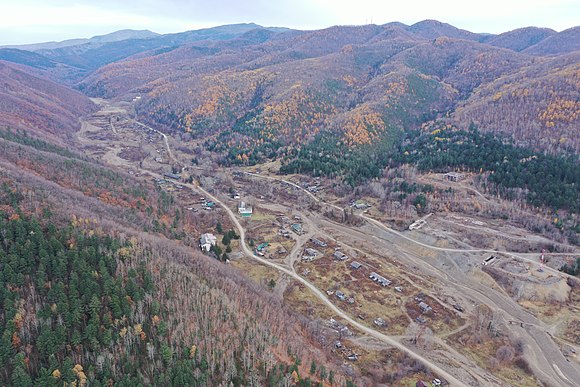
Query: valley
x=435, y=261
x=359, y=205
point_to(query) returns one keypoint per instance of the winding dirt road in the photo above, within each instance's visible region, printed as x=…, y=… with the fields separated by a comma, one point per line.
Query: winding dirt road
x=549, y=361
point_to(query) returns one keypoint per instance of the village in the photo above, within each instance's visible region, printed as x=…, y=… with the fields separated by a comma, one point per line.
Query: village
x=391, y=282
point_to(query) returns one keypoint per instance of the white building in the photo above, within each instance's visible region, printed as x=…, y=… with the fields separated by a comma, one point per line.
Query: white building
x=245, y=210
x=206, y=241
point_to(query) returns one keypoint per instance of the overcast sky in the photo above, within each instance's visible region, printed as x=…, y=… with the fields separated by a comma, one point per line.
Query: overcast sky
x=32, y=21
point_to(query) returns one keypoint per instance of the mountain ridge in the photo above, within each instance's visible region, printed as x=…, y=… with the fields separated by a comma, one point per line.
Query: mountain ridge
x=354, y=81
x=119, y=35
x=294, y=84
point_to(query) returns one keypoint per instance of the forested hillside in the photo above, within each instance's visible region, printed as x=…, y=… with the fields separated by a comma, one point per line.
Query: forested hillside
x=87, y=296
x=251, y=90
x=549, y=181
x=537, y=106
x=260, y=96
x=38, y=105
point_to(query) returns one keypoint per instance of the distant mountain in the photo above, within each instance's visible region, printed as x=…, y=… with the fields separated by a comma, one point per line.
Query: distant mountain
x=561, y=43
x=225, y=32
x=431, y=29
x=108, y=38
x=353, y=81
x=112, y=48
x=522, y=38
x=292, y=85
x=243, y=83
x=38, y=105
x=123, y=35
x=42, y=66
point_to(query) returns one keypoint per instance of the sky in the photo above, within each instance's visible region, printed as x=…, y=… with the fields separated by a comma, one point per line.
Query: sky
x=34, y=21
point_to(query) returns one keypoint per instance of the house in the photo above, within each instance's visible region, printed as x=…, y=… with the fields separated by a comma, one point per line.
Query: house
x=311, y=252
x=379, y=279
x=420, y=297
x=490, y=260
x=355, y=265
x=359, y=204
x=318, y=242
x=424, y=307
x=341, y=296
x=206, y=241
x=245, y=210
x=262, y=246
x=297, y=228
x=339, y=255
x=458, y=307
x=208, y=205
x=454, y=176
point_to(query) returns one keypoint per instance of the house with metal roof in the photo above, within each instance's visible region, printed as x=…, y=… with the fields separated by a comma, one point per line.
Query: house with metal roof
x=206, y=241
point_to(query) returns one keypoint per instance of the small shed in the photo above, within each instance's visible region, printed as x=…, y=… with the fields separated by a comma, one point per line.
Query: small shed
x=355, y=265
x=454, y=176
x=341, y=296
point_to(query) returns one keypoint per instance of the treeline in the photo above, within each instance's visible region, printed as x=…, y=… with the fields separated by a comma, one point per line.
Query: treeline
x=511, y=171
x=572, y=268
x=547, y=180
x=22, y=137
x=327, y=156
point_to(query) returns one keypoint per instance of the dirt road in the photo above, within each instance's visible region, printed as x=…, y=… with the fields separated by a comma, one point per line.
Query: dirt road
x=323, y=297
x=549, y=359
x=544, y=354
